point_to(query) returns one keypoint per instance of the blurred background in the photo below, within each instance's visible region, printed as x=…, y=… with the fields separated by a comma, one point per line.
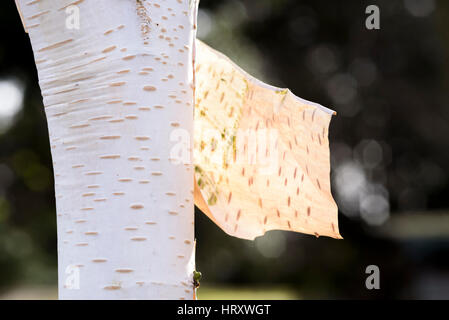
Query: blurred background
x=389, y=150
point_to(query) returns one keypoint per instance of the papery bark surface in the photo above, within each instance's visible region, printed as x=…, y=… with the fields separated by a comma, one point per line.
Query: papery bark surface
x=261, y=154
x=118, y=95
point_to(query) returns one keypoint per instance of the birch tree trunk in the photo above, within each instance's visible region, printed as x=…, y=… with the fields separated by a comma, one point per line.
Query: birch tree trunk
x=118, y=95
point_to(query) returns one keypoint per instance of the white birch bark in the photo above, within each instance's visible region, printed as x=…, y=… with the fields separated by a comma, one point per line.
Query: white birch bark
x=118, y=92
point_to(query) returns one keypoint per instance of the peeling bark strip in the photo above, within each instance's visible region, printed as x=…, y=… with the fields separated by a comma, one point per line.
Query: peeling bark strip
x=100, y=125
x=259, y=178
